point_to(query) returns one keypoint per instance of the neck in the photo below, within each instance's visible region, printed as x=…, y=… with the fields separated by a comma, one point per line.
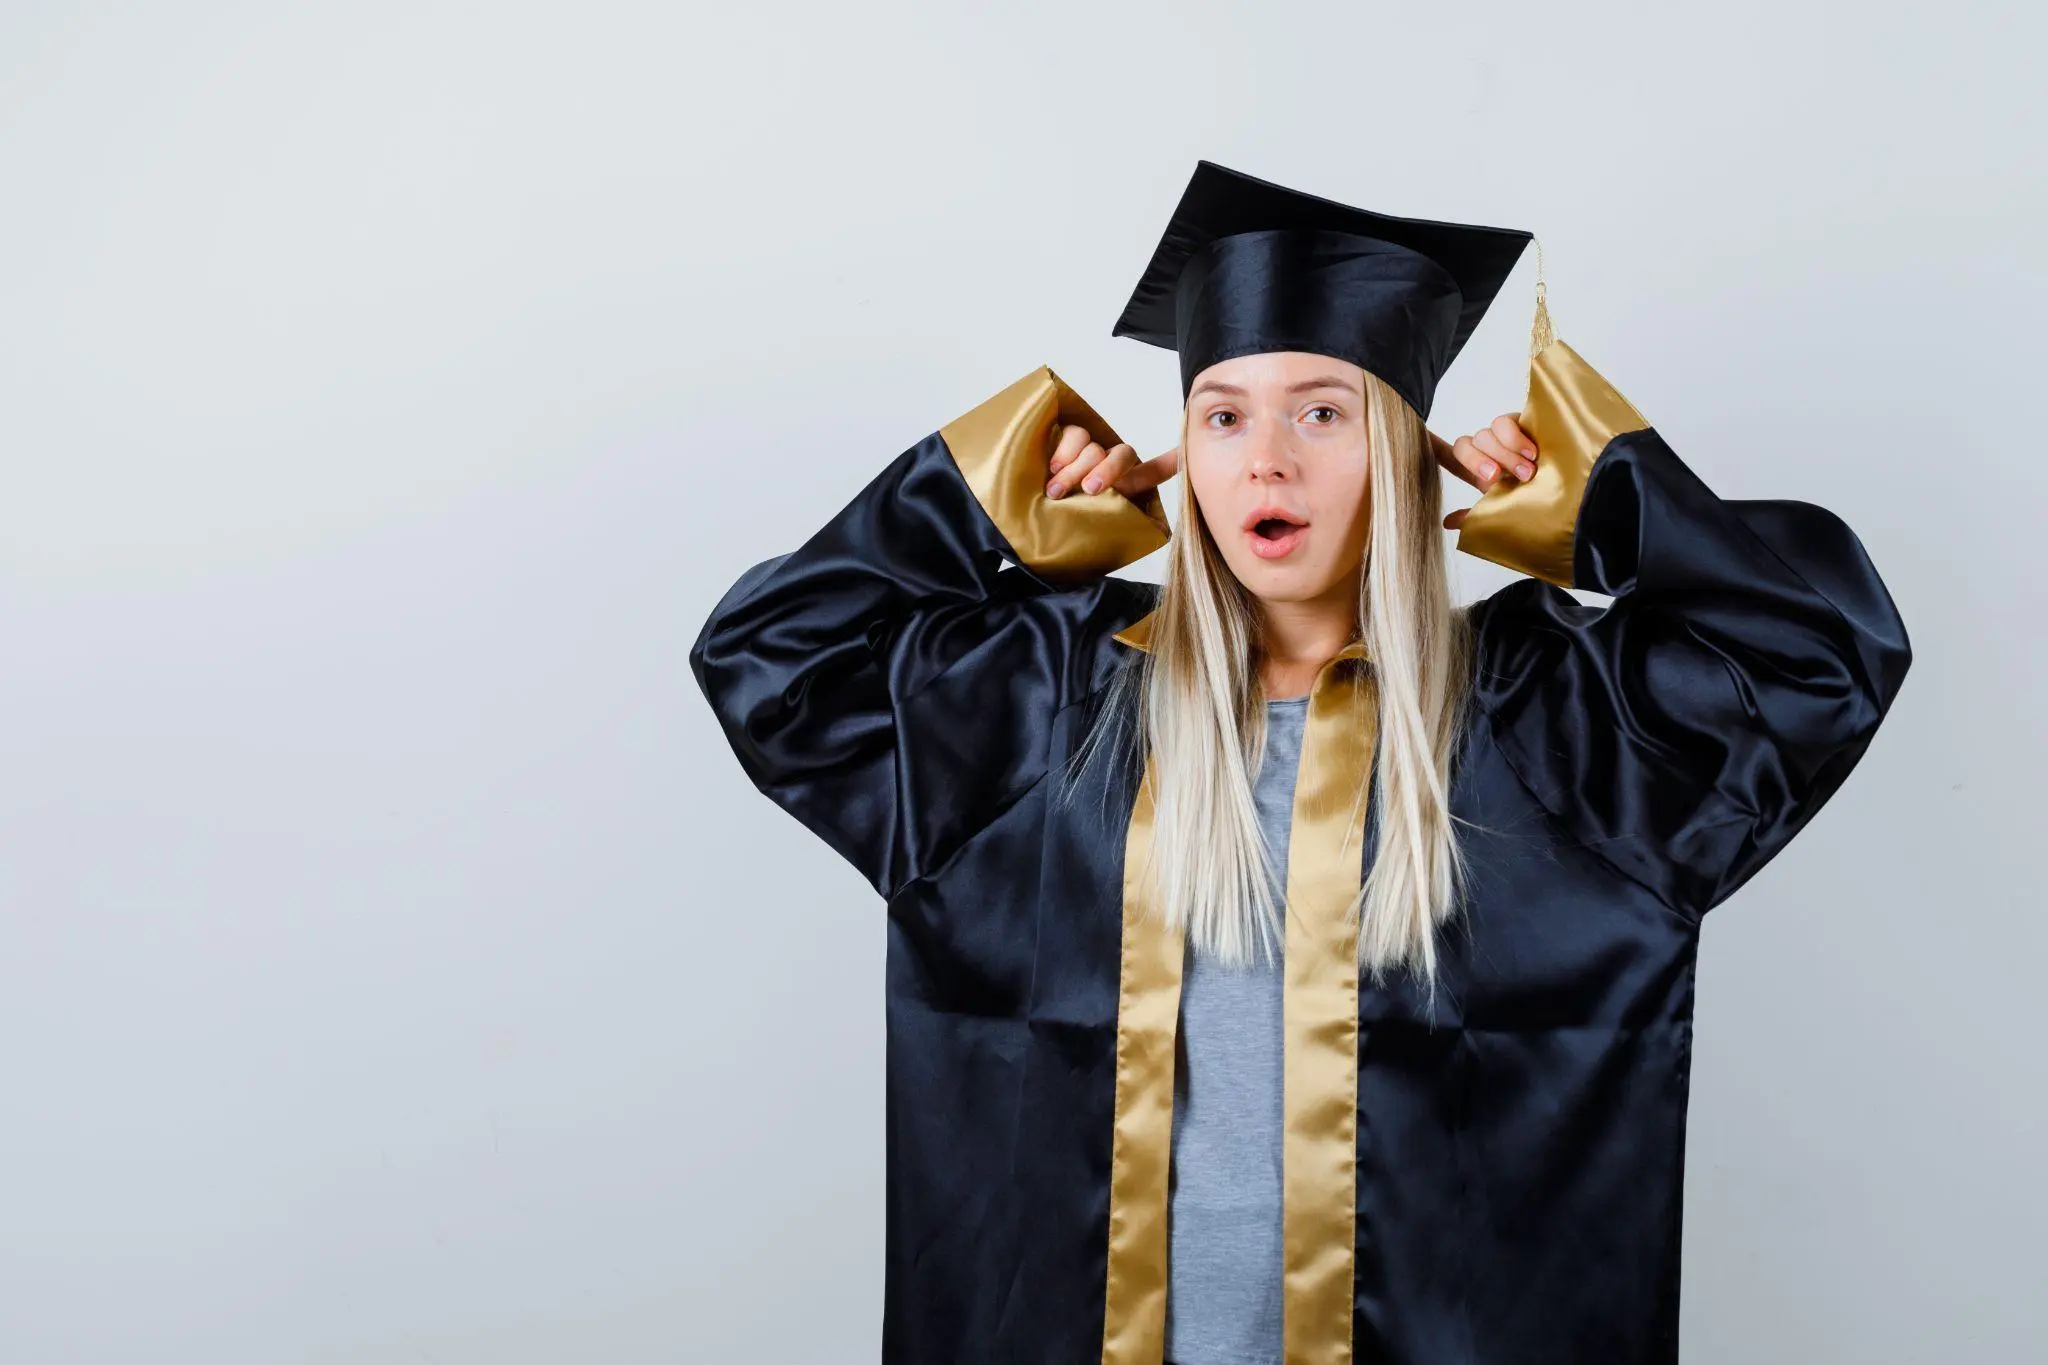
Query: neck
x=1300, y=637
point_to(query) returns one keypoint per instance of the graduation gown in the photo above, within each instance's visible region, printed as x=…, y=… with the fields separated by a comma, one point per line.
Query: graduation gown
x=1497, y=1180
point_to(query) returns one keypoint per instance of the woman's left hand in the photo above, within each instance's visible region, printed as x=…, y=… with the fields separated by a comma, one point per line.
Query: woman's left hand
x=1080, y=459
x=1482, y=457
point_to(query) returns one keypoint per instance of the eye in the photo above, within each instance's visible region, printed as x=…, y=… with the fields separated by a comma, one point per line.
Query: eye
x=1220, y=412
x=1325, y=407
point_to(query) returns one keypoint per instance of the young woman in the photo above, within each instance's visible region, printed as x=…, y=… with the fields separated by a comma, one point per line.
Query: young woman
x=1283, y=963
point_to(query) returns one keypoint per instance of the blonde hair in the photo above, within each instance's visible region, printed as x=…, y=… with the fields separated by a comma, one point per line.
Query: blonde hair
x=1201, y=710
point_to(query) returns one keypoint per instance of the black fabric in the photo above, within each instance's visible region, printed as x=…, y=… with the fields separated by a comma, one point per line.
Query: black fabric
x=885, y=683
x=1746, y=661
x=1247, y=266
x=1388, y=310
x=1521, y=1149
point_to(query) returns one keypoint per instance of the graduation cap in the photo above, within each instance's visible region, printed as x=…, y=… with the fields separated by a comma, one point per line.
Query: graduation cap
x=1249, y=266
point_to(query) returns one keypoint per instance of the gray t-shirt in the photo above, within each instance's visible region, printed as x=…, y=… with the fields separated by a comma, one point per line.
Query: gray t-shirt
x=1224, y=1212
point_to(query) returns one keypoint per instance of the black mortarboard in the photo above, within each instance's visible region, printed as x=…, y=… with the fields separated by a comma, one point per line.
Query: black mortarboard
x=1248, y=266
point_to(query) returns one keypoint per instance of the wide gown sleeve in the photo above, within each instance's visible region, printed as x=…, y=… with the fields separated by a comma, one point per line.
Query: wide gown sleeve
x=1689, y=729
x=887, y=682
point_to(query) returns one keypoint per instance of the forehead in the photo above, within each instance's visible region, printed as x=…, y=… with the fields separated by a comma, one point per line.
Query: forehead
x=1276, y=373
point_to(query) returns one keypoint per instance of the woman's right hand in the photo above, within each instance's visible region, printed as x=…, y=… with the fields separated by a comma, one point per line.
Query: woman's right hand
x=1079, y=459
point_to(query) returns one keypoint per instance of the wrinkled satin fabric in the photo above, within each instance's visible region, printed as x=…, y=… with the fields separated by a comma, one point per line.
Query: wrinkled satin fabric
x=1520, y=1152
x=1746, y=661
x=1391, y=311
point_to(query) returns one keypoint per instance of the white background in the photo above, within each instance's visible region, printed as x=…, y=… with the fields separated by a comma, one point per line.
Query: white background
x=394, y=964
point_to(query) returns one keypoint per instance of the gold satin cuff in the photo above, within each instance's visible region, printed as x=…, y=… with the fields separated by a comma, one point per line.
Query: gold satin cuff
x=1572, y=413
x=1004, y=450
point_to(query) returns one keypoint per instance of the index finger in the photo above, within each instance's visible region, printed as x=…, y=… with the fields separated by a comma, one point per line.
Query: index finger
x=1148, y=474
x=1470, y=463
x=1439, y=447
x=1462, y=458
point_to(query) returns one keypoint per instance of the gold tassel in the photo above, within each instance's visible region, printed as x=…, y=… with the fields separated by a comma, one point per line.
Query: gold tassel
x=1540, y=334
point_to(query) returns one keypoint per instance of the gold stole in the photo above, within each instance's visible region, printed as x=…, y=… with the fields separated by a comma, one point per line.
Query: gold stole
x=1325, y=864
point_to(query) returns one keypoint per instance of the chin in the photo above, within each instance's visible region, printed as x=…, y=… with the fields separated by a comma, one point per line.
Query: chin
x=1281, y=584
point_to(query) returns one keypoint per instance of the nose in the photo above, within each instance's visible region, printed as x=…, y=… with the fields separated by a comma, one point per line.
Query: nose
x=1270, y=456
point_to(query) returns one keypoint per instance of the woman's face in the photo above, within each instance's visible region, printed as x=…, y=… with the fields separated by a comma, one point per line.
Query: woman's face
x=1283, y=433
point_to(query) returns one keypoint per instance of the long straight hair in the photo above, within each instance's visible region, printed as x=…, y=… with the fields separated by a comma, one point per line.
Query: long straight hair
x=1200, y=707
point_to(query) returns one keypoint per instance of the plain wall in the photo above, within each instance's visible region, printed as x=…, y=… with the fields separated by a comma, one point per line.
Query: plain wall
x=395, y=964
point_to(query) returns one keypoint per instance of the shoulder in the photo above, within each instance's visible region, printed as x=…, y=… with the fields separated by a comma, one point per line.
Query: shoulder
x=1113, y=628
x=1523, y=626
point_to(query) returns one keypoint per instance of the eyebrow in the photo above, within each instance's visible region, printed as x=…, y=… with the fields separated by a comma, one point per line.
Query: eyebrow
x=1321, y=381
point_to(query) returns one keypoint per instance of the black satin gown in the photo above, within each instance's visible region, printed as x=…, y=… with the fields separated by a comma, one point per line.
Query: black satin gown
x=1501, y=1181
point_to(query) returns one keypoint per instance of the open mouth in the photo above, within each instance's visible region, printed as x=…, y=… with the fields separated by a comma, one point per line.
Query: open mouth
x=1272, y=537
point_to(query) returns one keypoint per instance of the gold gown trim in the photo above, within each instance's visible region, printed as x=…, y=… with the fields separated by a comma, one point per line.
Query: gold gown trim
x=1004, y=447
x=1571, y=413
x=1147, y=1023
x=1325, y=865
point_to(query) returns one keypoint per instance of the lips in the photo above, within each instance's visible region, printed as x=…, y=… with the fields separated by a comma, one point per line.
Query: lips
x=1274, y=532
x=1271, y=512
